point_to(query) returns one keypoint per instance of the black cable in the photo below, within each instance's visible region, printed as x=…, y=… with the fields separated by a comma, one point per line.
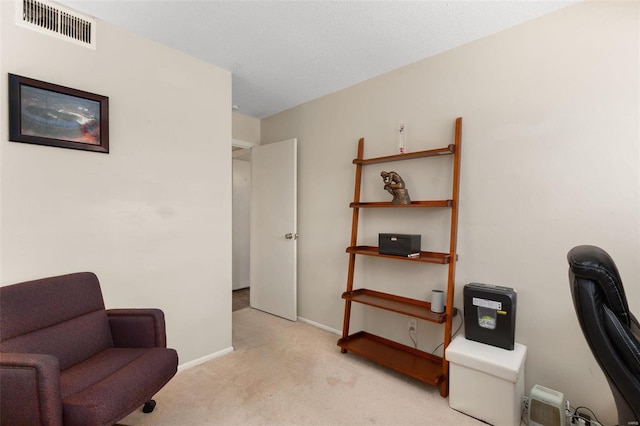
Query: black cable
x=453, y=335
x=459, y=325
x=575, y=413
x=524, y=412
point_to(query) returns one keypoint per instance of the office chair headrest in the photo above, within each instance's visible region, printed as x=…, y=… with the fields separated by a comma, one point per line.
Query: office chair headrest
x=593, y=263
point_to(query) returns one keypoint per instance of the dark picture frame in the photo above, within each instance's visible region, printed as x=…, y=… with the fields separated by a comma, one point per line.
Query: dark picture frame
x=49, y=114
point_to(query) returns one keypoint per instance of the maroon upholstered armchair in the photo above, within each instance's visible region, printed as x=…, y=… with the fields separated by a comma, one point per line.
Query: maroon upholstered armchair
x=66, y=360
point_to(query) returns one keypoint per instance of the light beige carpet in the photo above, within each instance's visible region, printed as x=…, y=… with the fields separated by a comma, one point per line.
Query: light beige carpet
x=291, y=373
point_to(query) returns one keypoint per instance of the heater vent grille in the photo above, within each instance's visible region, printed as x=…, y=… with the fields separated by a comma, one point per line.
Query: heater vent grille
x=54, y=20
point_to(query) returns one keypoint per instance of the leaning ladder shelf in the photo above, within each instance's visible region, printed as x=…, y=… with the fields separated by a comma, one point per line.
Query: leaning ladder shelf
x=421, y=365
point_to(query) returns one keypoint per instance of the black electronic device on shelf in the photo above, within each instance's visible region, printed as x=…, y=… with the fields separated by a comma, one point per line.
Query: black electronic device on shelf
x=490, y=314
x=407, y=245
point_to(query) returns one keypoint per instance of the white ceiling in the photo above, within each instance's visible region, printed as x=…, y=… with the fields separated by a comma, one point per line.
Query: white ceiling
x=284, y=53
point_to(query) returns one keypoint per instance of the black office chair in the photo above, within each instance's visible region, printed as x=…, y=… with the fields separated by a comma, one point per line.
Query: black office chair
x=612, y=332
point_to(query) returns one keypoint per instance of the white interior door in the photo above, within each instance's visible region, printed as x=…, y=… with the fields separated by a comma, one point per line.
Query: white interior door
x=273, y=225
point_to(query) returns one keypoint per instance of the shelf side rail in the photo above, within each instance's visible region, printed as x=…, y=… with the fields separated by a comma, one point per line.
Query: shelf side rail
x=453, y=243
x=354, y=240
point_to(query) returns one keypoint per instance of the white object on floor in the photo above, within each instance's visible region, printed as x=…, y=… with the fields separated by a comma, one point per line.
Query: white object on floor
x=486, y=382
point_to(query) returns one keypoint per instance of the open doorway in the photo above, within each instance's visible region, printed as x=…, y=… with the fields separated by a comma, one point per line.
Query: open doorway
x=241, y=166
x=269, y=251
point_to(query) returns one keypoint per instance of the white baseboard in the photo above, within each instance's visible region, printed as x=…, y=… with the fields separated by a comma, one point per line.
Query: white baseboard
x=321, y=326
x=204, y=359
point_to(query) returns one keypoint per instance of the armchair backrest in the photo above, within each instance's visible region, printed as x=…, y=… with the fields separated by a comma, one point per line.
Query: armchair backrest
x=611, y=330
x=62, y=316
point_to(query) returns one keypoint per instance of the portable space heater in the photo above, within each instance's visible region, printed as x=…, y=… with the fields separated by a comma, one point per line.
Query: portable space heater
x=546, y=407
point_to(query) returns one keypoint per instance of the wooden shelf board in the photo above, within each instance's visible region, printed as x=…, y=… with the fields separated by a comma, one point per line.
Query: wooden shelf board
x=425, y=256
x=432, y=203
x=407, y=360
x=391, y=302
x=450, y=149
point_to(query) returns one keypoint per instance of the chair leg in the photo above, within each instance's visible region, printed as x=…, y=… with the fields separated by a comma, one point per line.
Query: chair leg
x=149, y=406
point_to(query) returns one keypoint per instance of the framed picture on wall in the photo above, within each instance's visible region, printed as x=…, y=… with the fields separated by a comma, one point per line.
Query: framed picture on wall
x=48, y=114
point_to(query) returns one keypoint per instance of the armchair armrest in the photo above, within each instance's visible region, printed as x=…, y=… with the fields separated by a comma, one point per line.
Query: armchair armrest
x=30, y=389
x=137, y=328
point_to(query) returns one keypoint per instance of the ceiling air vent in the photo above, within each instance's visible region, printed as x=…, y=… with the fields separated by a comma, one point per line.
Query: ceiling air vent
x=55, y=20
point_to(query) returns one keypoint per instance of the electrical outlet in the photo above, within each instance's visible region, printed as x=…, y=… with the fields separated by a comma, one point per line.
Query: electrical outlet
x=413, y=325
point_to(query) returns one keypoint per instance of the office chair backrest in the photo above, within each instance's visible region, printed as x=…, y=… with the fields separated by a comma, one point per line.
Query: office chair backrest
x=611, y=330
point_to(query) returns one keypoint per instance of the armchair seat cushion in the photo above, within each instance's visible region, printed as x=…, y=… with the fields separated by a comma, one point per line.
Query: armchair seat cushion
x=112, y=383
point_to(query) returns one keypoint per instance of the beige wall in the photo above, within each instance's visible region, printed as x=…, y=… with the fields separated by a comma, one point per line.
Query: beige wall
x=153, y=217
x=246, y=128
x=550, y=160
x=241, y=224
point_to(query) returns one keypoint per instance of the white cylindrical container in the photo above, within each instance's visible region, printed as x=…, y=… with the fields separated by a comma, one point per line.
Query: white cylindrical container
x=437, y=301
